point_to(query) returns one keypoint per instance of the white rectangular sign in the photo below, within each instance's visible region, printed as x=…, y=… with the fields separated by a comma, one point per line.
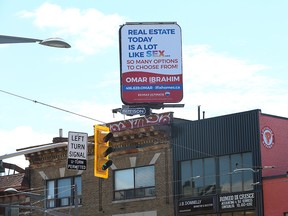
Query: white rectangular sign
x=77, y=150
x=151, y=63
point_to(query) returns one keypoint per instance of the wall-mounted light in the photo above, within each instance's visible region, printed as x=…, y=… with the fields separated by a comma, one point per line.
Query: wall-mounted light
x=254, y=183
x=257, y=169
x=195, y=177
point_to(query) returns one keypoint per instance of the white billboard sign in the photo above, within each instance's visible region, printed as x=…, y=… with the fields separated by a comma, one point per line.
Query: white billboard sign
x=151, y=63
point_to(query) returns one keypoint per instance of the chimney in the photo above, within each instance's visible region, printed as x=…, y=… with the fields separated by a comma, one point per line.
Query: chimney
x=60, y=138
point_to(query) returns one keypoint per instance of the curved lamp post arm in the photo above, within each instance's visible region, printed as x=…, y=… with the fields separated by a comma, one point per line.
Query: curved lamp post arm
x=29, y=194
x=52, y=42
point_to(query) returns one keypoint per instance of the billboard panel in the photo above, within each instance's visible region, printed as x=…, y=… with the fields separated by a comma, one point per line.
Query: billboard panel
x=151, y=63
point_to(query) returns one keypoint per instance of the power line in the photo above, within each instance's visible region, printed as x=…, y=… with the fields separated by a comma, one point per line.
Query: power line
x=51, y=106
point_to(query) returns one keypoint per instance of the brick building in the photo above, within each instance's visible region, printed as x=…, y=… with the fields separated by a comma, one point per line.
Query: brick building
x=17, y=178
x=140, y=180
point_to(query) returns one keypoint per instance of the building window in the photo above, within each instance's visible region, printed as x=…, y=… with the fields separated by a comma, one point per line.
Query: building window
x=198, y=177
x=134, y=183
x=60, y=192
x=235, y=181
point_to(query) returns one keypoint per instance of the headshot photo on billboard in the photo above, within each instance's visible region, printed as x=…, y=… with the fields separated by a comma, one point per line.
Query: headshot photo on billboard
x=151, y=63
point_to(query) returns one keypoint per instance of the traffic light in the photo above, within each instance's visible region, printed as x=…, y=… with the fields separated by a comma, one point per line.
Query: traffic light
x=102, y=135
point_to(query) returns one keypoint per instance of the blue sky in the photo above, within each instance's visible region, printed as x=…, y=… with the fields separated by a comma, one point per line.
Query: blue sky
x=234, y=59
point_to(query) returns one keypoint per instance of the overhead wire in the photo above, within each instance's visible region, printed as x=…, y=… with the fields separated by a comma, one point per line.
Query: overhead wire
x=94, y=119
x=51, y=106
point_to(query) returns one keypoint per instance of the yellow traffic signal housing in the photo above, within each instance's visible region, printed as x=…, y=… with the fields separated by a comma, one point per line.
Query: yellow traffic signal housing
x=102, y=135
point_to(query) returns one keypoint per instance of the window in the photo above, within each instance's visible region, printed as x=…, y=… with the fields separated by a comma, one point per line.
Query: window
x=239, y=181
x=198, y=177
x=134, y=183
x=60, y=192
x=240, y=213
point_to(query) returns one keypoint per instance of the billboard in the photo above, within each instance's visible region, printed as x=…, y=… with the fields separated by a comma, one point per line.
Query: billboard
x=151, y=63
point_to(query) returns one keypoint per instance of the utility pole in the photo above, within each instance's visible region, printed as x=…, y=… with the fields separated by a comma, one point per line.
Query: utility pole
x=75, y=199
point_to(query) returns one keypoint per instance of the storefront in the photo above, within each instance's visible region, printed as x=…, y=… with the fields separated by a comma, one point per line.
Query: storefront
x=233, y=203
x=217, y=166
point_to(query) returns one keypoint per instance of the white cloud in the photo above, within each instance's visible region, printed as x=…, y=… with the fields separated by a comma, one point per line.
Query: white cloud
x=223, y=84
x=21, y=137
x=92, y=30
x=205, y=68
x=219, y=83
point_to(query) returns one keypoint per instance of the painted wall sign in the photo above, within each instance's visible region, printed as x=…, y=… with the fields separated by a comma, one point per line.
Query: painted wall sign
x=267, y=137
x=155, y=119
x=151, y=63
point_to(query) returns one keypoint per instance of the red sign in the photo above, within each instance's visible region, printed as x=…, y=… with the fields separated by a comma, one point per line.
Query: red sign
x=267, y=137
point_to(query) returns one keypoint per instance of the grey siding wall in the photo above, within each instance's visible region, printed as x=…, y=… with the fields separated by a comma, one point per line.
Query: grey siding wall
x=217, y=136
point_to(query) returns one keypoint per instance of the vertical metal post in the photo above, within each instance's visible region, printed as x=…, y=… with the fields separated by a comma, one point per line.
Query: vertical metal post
x=100, y=194
x=75, y=200
x=45, y=198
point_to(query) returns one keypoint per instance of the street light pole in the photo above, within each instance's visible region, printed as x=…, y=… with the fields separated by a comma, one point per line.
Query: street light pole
x=52, y=42
x=40, y=197
x=29, y=194
x=75, y=199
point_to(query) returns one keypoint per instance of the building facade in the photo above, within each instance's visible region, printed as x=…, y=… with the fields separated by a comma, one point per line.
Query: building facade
x=17, y=178
x=140, y=180
x=274, y=150
x=231, y=165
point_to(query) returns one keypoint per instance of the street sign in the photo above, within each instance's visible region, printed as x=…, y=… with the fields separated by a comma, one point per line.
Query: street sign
x=133, y=111
x=77, y=150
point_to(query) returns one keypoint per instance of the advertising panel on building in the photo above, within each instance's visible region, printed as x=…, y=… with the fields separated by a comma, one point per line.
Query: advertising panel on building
x=196, y=204
x=151, y=63
x=235, y=201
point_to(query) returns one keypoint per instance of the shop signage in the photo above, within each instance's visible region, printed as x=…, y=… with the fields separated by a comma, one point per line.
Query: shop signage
x=133, y=111
x=239, y=200
x=196, y=205
x=77, y=150
x=151, y=63
x=267, y=137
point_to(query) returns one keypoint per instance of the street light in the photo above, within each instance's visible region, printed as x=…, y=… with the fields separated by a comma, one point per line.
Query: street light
x=52, y=42
x=257, y=169
x=35, y=196
x=40, y=197
x=29, y=194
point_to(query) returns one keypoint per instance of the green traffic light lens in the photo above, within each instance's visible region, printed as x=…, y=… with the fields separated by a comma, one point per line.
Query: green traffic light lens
x=107, y=165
